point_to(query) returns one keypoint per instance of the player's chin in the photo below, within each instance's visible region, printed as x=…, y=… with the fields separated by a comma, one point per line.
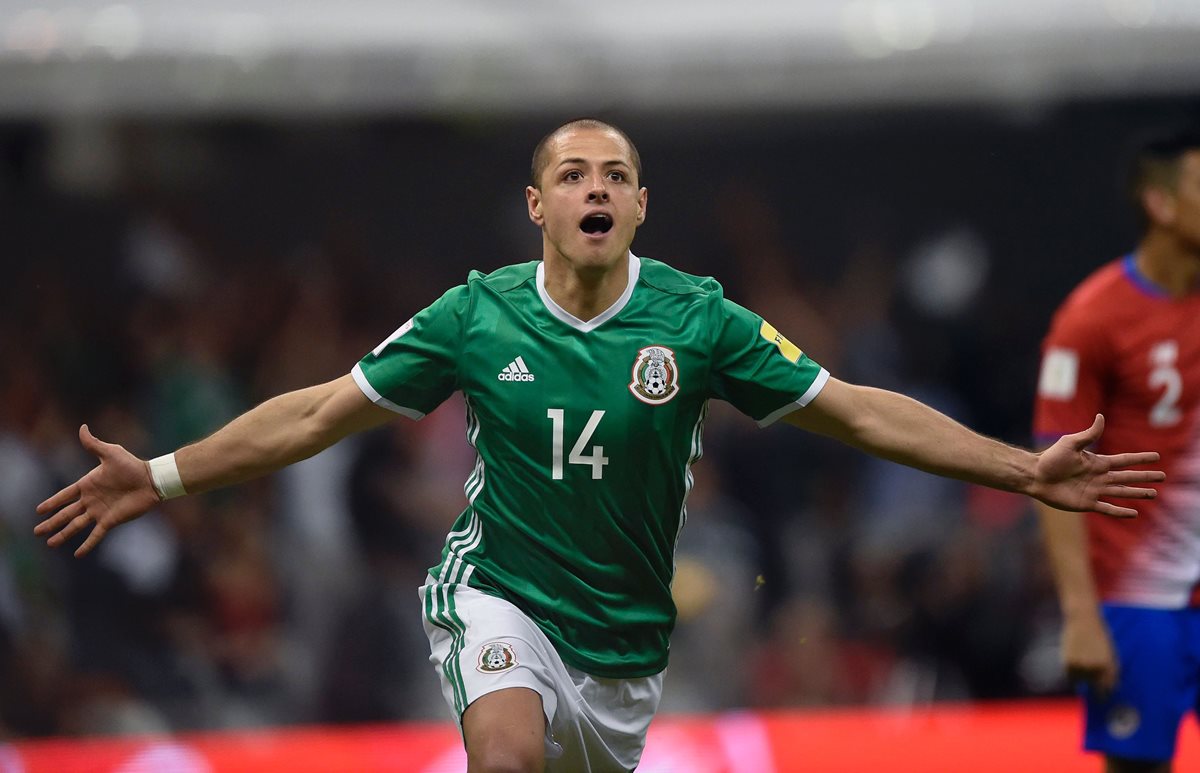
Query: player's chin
x=606, y=251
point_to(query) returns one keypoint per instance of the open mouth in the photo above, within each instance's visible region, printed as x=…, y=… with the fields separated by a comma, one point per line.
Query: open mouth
x=598, y=223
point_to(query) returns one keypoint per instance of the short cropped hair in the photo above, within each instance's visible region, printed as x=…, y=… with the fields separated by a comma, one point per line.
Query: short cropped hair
x=541, y=153
x=1155, y=162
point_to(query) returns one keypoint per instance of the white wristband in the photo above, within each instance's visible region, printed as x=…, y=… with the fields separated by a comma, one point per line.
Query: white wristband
x=165, y=475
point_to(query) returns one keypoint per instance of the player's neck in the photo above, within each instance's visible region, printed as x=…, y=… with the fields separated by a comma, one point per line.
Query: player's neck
x=1164, y=262
x=585, y=292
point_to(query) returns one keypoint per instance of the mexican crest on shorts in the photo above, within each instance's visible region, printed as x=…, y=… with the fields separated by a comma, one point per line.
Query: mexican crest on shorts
x=655, y=375
x=496, y=656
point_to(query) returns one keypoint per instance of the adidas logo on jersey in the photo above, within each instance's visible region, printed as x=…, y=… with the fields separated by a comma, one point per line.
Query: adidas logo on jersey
x=515, y=371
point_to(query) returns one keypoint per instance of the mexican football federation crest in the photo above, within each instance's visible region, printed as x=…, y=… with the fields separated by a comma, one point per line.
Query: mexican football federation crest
x=655, y=375
x=496, y=656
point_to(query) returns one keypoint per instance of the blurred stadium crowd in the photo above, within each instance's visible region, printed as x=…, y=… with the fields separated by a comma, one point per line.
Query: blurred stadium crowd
x=160, y=278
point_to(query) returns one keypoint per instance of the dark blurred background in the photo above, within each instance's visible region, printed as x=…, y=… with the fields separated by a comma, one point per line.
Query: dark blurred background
x=201, y=209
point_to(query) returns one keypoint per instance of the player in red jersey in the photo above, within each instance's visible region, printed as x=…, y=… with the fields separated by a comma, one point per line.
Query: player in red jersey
x=1126, y=343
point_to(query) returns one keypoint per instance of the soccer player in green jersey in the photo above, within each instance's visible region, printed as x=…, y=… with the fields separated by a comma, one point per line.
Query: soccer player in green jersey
x=587, y=377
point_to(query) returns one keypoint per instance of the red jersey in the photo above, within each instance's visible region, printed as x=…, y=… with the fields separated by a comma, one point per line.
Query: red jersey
x=1121, y=346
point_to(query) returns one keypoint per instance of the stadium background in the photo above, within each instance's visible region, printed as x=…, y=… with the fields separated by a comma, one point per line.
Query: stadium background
x=202, y=208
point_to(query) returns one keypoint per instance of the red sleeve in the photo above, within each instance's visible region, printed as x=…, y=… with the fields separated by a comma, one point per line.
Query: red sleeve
x=1072, y=377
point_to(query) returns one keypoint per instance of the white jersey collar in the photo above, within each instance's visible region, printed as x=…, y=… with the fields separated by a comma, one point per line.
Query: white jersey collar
x=635, y=268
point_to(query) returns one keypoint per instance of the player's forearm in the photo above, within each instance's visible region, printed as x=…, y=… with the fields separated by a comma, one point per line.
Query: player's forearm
x=279, y=432
x=1065, y=538
x=895, y=427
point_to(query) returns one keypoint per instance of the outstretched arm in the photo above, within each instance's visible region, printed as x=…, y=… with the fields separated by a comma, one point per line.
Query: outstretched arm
x=279, y=432
x=898, y=428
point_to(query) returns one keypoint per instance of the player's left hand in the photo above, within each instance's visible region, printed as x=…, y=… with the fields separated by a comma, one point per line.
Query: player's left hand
x=1070, y=477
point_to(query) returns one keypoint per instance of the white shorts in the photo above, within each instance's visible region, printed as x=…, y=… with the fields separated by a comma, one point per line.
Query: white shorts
x=480, y=643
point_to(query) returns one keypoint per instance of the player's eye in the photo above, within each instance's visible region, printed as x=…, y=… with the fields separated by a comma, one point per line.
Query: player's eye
x=616, y=176
x=573, y=175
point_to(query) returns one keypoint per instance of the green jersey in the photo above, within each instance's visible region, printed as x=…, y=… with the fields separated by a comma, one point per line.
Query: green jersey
x=585, y=434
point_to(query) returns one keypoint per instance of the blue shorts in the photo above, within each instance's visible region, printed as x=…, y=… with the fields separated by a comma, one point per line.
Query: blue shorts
x=1159, y=682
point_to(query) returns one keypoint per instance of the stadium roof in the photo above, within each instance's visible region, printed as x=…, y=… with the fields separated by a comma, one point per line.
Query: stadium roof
x=486, y=57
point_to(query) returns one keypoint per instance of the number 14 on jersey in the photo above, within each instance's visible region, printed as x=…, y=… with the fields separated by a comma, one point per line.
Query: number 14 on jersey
x=596, y=458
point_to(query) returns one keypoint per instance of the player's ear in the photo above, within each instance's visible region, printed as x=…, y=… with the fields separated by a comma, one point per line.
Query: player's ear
x=643, y=195
x=1159, y=204
x=533, y=200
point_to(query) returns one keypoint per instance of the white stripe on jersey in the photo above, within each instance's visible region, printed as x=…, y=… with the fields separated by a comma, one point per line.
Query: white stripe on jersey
x=1162, y=570
x=360, y=378
x=813, y=390
x=689, y=480
x=474, y=484
x=473, y=536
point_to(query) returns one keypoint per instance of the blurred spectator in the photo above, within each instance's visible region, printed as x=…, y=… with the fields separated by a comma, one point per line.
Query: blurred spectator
x=717, y=564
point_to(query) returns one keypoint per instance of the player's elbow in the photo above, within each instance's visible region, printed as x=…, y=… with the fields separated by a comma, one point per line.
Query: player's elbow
x=337, y=409
x=838, y=411
x=312, y=425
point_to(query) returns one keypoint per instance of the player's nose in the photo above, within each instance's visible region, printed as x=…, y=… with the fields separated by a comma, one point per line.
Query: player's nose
x=597, y=191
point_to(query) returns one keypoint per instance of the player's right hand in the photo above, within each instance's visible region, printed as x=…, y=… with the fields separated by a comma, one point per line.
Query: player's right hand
x=117, y=490
x=1088, y=652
